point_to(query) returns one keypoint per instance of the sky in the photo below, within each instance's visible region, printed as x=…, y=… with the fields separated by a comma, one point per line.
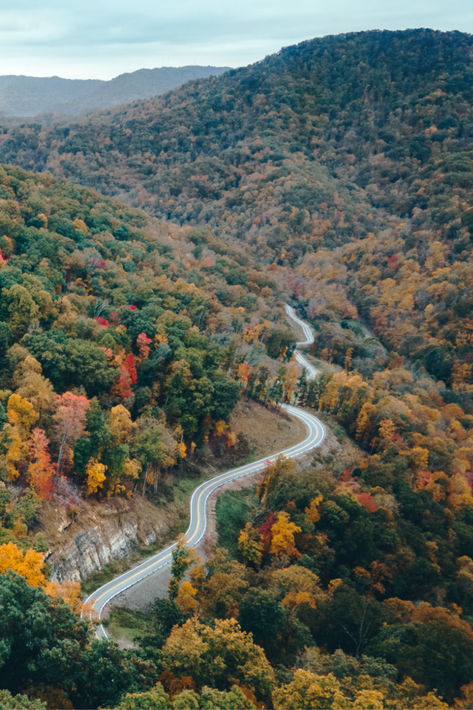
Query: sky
x=100, y=39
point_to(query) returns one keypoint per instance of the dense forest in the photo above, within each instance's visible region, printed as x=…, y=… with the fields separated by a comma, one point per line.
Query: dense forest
x=336, y=174
x=360, y=142
x=123, y=346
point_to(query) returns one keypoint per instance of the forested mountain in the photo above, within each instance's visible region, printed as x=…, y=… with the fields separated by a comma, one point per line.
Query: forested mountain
x=123, y=348
x=338, y=174
x=22, y=96
x=119, y=344
x=361, y=140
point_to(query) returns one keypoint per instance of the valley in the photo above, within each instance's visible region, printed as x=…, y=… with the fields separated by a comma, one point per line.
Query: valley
x=161, y=265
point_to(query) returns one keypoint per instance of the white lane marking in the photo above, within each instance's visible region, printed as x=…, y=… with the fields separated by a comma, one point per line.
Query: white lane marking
x=198, y=502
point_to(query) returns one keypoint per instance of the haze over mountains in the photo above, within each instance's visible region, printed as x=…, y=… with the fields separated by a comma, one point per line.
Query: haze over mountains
x=27, y=96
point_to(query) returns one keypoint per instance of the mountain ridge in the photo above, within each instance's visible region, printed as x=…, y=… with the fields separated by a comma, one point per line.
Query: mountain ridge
x=29, y=97
x=321, y=146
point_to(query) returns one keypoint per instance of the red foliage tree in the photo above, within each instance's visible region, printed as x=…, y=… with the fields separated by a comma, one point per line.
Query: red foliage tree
x=367, y=502
x=143, y=343
x=69, y=420
x=130, y=367
x=41, y=470
x=265, y=532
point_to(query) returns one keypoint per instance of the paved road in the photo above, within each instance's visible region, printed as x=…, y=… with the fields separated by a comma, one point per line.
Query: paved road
x=315, y=434
x=306, y=329
x=311, y=371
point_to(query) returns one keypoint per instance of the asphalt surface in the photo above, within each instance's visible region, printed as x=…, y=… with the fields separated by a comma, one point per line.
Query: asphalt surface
x=315, y=434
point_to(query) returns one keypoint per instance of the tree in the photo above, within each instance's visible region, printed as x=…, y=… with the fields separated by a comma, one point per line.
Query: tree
x=69, y=422
x=249, y=546
x=291, y=377
x=31, y=385
x=263, y=616
x=282, y=536
x=186, y=598
x=41, y=470
x=154, y=699
x=280, y=343
x=155, y=448
x=309, y=691
x=120, y=424
x=21, y=417
x=348, y=621
x=44, y=648
x=143, y=343
x=164, y=615
x=218, y=657
x=52, y=647
x=207, y=699
x=95, y=473
x=19, y=702
x=182, y=559
x=28, y=564
x=21, y=308
x=435, y=647
x=220, y=590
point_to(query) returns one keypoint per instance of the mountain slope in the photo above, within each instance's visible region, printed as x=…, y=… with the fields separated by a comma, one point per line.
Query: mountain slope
x=26, y=96
x=338, y=112
x=109, y=320
x=361, y=139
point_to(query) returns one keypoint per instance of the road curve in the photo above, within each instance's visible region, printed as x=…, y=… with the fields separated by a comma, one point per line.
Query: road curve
x=311, y=372
x=315, y=434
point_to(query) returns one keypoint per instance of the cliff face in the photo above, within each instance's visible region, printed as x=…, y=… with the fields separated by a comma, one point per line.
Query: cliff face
x=101, y=534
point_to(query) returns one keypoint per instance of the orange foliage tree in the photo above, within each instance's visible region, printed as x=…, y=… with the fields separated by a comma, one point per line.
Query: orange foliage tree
x=41, y=470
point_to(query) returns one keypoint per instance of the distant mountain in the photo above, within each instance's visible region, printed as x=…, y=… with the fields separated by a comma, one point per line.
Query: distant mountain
x=28, y=96
x=333, y=141
x=341, y=169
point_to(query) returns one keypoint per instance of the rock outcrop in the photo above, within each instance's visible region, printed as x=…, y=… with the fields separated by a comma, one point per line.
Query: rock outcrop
x=102, y=534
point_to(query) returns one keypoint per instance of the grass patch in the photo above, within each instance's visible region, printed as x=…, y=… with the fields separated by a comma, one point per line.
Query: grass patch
x=127, y=624
x=233, y=510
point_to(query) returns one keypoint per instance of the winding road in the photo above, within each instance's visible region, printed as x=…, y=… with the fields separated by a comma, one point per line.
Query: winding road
x=315, y=434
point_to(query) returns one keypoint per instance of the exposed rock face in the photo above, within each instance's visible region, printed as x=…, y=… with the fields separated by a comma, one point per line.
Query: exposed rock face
x=98, y=533
x=103, y=536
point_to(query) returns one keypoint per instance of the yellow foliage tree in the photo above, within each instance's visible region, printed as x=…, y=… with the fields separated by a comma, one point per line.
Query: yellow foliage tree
x=459, y=492
x=364, y=421
x=290, y=380
x=419, y=457
x=80, y=226
x=386, y=431
x=313, y=509
x=314, y=691
x=95, y=476
x=28, y=564
x=120, y=423
x=282, y=536
x=181, y=450
x=298, y=586
x=21, y=418
x=186, y=598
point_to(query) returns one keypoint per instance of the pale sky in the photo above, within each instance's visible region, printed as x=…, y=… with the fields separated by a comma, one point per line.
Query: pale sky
x=102, y=38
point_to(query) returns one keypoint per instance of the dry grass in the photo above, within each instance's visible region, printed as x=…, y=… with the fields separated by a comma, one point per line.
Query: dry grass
x=266, y=430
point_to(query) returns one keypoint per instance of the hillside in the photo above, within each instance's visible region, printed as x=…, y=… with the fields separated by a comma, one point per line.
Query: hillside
x=336, y=174
x=26, y=96
x=357, y=142
x=121, y=340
